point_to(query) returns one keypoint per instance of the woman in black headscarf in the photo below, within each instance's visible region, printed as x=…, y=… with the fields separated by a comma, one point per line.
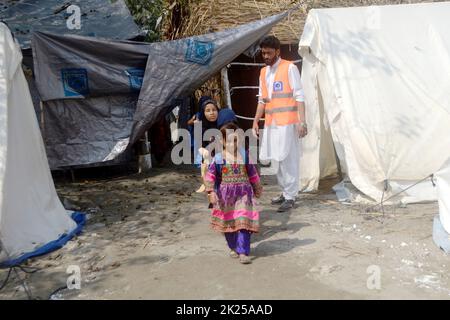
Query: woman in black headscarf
x=208, y=114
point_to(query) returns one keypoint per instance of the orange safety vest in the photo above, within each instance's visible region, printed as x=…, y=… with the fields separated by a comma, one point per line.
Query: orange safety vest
x=282, y=107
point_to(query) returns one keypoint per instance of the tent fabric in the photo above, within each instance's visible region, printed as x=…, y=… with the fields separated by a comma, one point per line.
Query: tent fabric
x=440, y=235
x=76, y=67
x=443, y=191
x=31, y=215
x=89, y=131
x=193, y=60
x=78, y=217
x=380, y=76
x=99, y=18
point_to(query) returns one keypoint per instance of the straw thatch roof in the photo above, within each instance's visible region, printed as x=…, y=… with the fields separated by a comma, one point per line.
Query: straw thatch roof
x=193, y=17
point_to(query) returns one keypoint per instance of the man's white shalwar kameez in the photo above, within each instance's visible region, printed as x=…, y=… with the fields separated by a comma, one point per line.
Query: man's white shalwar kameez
x=281, y=144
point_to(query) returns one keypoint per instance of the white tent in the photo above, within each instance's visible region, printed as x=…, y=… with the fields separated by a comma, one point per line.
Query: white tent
x=377, y=85
x=32, y=218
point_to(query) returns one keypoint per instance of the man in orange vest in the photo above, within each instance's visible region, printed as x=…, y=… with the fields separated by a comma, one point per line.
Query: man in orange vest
x=281, y=100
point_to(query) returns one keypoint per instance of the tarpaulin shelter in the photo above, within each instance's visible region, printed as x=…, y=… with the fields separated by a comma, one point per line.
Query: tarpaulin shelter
x=75, y=69
x=89, y=88
x=193, y=60
x=98, y=19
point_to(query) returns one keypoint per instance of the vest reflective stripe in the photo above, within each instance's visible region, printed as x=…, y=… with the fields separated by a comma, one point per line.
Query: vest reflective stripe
x=282, y=107
x=282, y=95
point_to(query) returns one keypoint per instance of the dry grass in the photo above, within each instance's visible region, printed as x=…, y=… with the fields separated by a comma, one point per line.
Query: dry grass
x=203, y=16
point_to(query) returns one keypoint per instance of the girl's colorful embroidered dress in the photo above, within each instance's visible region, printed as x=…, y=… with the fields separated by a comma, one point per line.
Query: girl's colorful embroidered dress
x=235, y=185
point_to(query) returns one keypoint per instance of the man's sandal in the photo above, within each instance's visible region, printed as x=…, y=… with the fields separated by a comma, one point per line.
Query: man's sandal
x=244, y=259
x=234, y=254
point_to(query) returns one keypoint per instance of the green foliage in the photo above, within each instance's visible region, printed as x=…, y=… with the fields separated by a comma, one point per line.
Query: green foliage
x=148, y=14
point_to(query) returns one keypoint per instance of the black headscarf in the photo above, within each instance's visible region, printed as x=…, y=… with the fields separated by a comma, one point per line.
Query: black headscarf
x=205, y=123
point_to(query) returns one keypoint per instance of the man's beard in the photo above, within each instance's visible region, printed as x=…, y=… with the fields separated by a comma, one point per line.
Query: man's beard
x=271, y=62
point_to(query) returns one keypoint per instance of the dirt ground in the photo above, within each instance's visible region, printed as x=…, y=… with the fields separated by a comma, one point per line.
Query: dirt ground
x=148, y=237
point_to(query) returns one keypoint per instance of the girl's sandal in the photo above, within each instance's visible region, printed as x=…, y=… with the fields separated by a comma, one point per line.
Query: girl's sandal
x=201, y=189
x=244, y=259
x=234, y=254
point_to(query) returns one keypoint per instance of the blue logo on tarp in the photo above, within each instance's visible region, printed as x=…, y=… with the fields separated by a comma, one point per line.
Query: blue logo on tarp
x=136, y=77
x=278, y=86
x=75, y=82
x=200, y=52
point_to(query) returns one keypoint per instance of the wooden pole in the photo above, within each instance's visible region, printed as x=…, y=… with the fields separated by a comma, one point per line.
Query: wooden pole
x=226, y=87
x=145, y=156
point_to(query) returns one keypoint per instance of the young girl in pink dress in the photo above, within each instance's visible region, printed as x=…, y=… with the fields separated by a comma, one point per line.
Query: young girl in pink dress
x=232, y=183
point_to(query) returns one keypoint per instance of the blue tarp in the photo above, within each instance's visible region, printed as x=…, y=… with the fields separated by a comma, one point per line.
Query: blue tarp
x=78, y=217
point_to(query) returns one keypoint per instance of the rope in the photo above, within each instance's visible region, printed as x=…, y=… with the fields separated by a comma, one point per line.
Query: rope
x=27, y=290
x=244, y=118
x=243, y=87
x=247, y=118
x=396, y=194
x=254, y=64
x=6, y=279
x=432, y=180
x=14, y=268
x=56, y=291
x=24, y=269
x=382, y=196
x=24, y=284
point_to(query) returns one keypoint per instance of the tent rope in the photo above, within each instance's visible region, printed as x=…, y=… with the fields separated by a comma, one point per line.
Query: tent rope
x=14, y=268
x=382, y=197
x=432, y=180
x=5, y=282
x=26, y=270
x=398, y=193
x=22, y=281
x=30, y=270
x=27, y=290
x=56, y=291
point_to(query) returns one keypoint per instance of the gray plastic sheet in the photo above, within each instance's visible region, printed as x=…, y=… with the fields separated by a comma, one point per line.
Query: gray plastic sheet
x=77, y=76
x=82, y=132
x=99, y=18
x=177, y=68
x=90, y=89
